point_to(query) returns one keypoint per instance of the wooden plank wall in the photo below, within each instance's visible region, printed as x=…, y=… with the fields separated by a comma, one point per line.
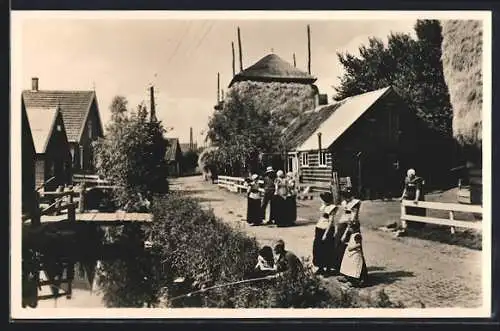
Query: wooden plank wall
x=313, y=173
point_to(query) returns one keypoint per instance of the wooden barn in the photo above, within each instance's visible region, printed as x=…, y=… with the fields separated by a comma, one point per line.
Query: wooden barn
x=173, y=156
x=53, y=157
x=368, y=137
x=28, y=164
x=80, y=113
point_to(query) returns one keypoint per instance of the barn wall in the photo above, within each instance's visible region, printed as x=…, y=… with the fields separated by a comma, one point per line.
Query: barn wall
x=313, y=172
x=28, y=165
x=39, y=170
x=58, y=157
x=91, y=132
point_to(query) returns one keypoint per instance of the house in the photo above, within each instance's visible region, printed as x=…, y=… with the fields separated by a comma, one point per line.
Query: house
x=28, y=164
x=368, y=138
x=53, y=157
x=173, y=156
x=80, y=113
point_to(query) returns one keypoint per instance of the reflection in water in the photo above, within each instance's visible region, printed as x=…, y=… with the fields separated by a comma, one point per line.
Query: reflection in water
x=61, y=257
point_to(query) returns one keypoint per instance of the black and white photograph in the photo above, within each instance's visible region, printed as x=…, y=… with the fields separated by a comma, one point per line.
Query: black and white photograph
x=250, y=164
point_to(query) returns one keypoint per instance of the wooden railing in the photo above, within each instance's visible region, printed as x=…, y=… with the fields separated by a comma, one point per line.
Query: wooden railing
x=450, y=221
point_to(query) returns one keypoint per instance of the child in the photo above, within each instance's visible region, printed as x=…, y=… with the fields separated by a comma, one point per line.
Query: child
x=265, y=262
x=323, y=245
x=353, y=264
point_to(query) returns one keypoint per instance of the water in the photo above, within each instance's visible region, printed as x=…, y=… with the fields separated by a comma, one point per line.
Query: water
x=108, y=264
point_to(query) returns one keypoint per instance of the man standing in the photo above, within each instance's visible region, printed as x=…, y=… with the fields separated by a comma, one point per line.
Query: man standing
x=269, y=190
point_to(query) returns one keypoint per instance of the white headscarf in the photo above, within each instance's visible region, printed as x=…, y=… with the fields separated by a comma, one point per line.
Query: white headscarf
x=410, y=172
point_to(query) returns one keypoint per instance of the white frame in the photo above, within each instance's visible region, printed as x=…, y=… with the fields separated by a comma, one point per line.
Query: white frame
x=320, y=155
x=304, y=159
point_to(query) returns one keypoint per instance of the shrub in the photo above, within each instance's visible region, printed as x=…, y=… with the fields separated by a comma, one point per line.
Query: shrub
x=192, y=243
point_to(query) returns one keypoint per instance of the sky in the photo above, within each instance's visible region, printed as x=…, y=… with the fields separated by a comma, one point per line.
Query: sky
x=180, y=57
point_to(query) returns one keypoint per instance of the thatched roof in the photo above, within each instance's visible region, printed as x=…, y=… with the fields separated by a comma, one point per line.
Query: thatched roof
x=462, y=52
x=271, y=68
x=303, y=126
x=344, y=115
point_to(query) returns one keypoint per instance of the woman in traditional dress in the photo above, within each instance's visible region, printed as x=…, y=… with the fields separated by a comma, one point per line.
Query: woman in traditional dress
x=349, y=214
x=254, y=215
x=323, y=245
x=281, y=192
x=413, y=191
x=353, y=263
x=291, y=199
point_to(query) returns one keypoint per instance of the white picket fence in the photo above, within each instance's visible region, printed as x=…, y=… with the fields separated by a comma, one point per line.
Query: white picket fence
x=449, y=221
x=235, y=184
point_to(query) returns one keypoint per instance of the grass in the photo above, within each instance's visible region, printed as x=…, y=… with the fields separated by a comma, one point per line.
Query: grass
x=375, y=214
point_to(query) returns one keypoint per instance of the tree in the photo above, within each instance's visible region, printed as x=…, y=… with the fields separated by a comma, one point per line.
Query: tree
x=412, y=66
x=189, y=160
x=132, y=154
x=241, y=133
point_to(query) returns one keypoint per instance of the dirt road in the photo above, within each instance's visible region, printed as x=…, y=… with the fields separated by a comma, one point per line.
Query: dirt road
x=409, y=269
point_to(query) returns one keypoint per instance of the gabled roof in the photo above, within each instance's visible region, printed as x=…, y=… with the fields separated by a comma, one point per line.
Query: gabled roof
x=74, y=106
x=42, y=122
x=172, y=148
x=342, y=118
x=272, y=68
x=303, y=126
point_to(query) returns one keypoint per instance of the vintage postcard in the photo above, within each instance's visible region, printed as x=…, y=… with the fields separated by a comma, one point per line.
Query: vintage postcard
x=250, y=164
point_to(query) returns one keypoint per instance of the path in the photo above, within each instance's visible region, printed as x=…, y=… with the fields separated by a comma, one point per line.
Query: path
x=409, y=269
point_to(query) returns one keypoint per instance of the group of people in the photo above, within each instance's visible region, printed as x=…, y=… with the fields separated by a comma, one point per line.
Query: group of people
x=280, y=194
x=337, y=246
x=277, y=262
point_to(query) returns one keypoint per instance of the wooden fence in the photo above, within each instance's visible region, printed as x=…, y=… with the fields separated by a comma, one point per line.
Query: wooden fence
x=450, y=221
x=238, y=185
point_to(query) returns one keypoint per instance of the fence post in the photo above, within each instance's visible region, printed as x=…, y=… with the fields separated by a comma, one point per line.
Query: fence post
x=71, y=209
x=81, y=203
x=36, y=217
x=452, y=229
x=404, y=225
x=57, y=207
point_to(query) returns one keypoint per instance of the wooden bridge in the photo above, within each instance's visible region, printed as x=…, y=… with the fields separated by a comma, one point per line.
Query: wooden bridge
x=68, y=205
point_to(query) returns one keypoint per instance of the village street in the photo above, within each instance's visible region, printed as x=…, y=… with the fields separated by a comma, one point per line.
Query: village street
x=412, y=270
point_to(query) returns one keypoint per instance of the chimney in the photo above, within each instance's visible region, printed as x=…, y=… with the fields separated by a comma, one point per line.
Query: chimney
x=294, y=61
x=34, y=84
x=319, y=141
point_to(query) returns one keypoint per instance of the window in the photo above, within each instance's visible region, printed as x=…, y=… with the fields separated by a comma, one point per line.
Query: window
x=304, y=159
x=322, y=159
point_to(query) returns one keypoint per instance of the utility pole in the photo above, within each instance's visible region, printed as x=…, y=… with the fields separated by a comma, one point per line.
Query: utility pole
x=308, y=49
x=218, y=88
x=234, y=68
x=153, y=108
x=294, y=61
x=240, y=51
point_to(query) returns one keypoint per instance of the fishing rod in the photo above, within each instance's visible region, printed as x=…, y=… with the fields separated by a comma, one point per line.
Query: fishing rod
x=224, y=285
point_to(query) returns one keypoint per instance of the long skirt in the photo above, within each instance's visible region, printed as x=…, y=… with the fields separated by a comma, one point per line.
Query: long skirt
x=339, y=245
x=323, y=250
x=280, y=212
x=268, y=200
x=254, y=215
x=291, y=210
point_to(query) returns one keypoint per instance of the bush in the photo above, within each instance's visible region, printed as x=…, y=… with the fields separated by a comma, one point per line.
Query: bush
x=193, y=244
